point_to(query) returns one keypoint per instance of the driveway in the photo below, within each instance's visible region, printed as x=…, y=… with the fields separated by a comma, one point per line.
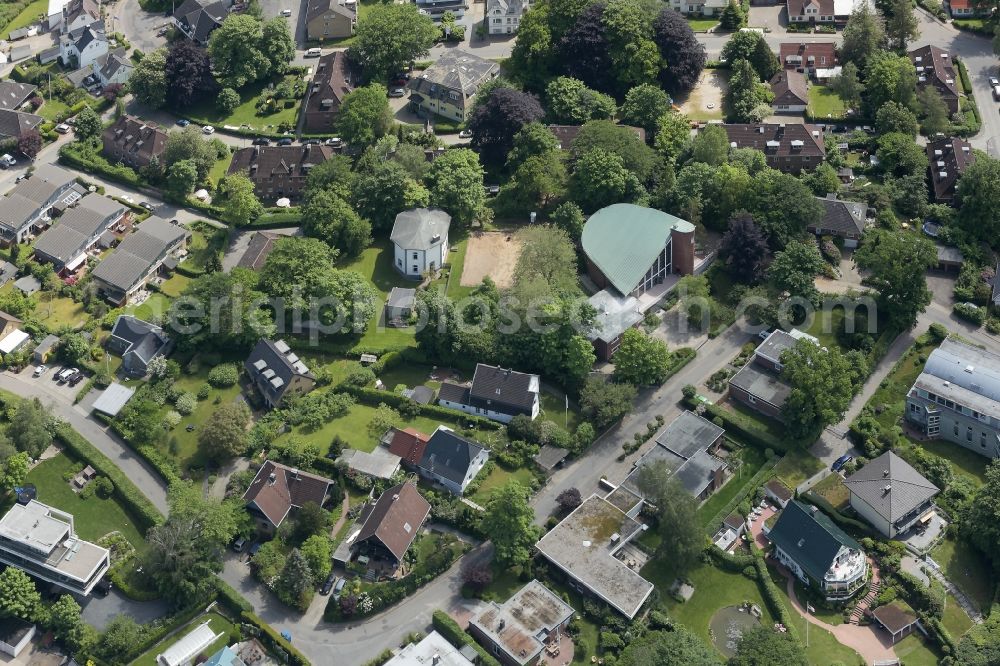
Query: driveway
x=98, y=611
x=95, y=432
x=138, y=25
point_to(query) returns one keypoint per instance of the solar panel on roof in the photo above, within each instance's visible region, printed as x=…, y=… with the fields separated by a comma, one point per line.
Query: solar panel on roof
x=277, y=382
x=282, y=346
x=260, y=364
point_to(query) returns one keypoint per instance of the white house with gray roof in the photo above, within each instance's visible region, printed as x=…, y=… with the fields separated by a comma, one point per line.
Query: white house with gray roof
x=452, y=460
x=65, y=245
x=81, y=48
x=957, y=397
x=277, y=372
x=449, y=86
x=504, y=16
x=26, y=208
x=890, y=494
x=420, y=241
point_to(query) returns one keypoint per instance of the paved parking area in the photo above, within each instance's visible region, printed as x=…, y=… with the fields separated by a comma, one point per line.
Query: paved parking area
x=48, y=384
x=297, y=20
x=775, y=18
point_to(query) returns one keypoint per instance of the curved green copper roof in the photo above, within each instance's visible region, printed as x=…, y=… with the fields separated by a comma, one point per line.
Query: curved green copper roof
x=623, y=240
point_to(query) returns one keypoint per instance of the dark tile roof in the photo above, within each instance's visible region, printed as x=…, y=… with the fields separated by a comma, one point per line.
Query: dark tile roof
x=15, y=123
x=261, y=163
x=449, y=455
x=948, y=158
x=789, y=88
x=779, y=489
x=890, y=486
x=501, y=390
x=395, y=518
x=455, y=71
x=894, y=617
x=780, y=140
x=761, y=384
x=420, y=228
x=276, y=489
x=131, y=335
x=407, y=443
x=842, y=218
x=810, y=538
x=140, y=250
x=934, y=65
x=259, y=247
x=272, y=365
x=78, y=227
x=138, y=140
x=201, y=17
x=808, y=54
x=797, y=7
x=453, y=392
x=330, y=84
x=689, y=433
x=549, y=456
x=317, y=8
x=13, y=94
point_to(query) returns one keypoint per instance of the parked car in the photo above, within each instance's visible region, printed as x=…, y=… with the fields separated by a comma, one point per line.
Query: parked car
x=76, y=379
x=286, y=12
x=492, y=190
x=40, y=370
x=465, y=134
x=334, y=141
x=66, y=374
x=764, y=334
x=839, y=463
x=6, y=161
x=397, y=81
x=148, y=206
x=183, y=123
x=62, y=128
x=314, y=53
x=310, y=142
x=208, y=129
x=994, y=81
x=996, y=92
x=285, y=142
x=23, y=176
x=397, y=92
x=338, y=588
x=55, y=375
x=239, y=544
x=261, y=141
x=328, y=584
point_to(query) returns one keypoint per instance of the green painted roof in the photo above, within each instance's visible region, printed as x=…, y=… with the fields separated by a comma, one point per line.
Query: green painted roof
x=623, y=240
x=812, y=540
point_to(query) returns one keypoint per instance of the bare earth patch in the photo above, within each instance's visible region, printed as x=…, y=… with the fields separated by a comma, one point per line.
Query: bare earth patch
x=491, y=253
x=704, y=102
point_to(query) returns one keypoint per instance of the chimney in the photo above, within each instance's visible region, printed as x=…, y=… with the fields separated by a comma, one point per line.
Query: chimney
x=503, y=623
x=395, y=497
x=885, y=491
x=295, y=474
x=436, y=659
x=272, y=478
x=813, y=509
x=885, y=473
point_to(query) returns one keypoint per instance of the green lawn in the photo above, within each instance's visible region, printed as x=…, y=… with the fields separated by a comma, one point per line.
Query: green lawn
x=833, y=490
x=914, y=651
x=175, y=286
x=554, y=409
x=58, y=311
x=772, y=426
x=965, y=461
x=824, y=328
x=375, y=265
x=825, y=104
x=33, y=13
x=753, y=460
x=797, y=466
x=156, y=306
x=219, y=169
x=246, y=112
x=955, y=620
x=701, y=24
x=456, y=258
x=218, y=623
x=204, y=241
x=410, y=374
x=498, y=478
x=965, y=567
x=53, y=109
x=93, y=517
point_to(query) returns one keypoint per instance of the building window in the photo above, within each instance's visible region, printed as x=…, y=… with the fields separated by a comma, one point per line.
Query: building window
x=968, y=434
x=954, y=430
x=751, y=398
x=416, y=269
x=415, y=255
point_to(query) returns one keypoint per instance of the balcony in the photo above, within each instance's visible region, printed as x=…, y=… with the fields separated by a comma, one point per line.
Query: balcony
x=848, y=574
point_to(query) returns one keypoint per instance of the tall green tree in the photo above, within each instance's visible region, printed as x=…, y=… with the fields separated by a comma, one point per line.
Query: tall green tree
x=277, y=45
x=751, y=46
x=848, y=85
x=389, y=37
x=889, y=78
x=764, y=646
x=509, y=523
x=30, y=427
x=896, y=264
x=601, y=179
x=240, y=204
x=88, y=124
x=571, y=102
x=864, y=36
x=328, y=217
x=673, y=133
x=455, y=182
x=644, y=106
x=547, y=254
x=675, y=510
x=641, y=360
x=900, y=24
x=710, y=145
x=235, y=51
x=782, y=206
x=977, y=192
x=678, y=646
x=385, y=191
x=364, y=115
x=148, y=81
x=747, y=100
x=822, y=387
x=794, y=269
x=934, y=116
x=894, y=117
x=224, y=434
x=18, y=596
x=634, y=56
x=604, y=402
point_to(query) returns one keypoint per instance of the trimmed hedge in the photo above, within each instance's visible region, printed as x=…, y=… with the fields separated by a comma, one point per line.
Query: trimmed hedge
x=165, y=467
x=231, y=599
x=743, y=428
x=963, y=75
x=772, y=596
x=762, y=475
x=730, y=561
x=276, y=220
x=453, y=633
x=275, y=641
x=73, y=156
x=839, y=518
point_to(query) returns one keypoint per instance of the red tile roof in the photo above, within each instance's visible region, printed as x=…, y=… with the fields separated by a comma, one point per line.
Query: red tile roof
x=408, y=444
x=808, y=54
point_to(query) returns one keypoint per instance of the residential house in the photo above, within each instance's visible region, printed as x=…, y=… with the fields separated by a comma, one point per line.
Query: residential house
x=260, y=246
x=138, y=342
x=133, y=142
x=688, y=447
x=15, y=124
x=843, y=219
x=45, y=349
x=891, y=495
x=778, y=492
x=407, y=443
x=330, y=85
x=449, y=86
x=42, y=541
x=65, y=245
x=278, y=490
x=615, y=315
x=963, y=9
x=139, y=257
x=196, y=19
x=451, y=460
x=791, y=94
x=957, y=397
x=81, y=48
x=390, y=524
x=399, y=305
x=14, y=95
x=897, y=618
x=791, y=148
x=80, y=14
x=26, y=208
x=436, y=9
x=278, y=171
x=54, y=15
x=807, y=57
x=818, y=553
x=420, y=241
x=935, y=68
x=331, y=19
x=820, y=11
x=518, y=630
x=504, y=16
x=433, y=650
x=733, y=527
x=758, y=384
x=379, y=464
x=947, y=160
x=113, y=67
x=566, y=134
x=277, y=372
x=10, y=325
x=585, y=546
x=699, y=7
x=494, y=393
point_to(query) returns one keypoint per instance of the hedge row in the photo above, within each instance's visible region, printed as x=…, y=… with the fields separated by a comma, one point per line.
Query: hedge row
x=978, y=26
x=370, y=396
x=276, y=220
x=154, y=636
x=963, y=75
x=743, y=428
x=730, y=561
x=145, y=513
x=681, y=358
x=72, y=155
x=275, y=641
x=944, y=638
x=762, y=475
x=165, y=467
x=772, y=596
x=230, y=598
x=839, y=518
x=453, y=633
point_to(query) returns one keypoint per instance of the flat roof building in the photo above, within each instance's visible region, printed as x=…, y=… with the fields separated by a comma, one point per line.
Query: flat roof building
x=520, y=628
x=41, y=541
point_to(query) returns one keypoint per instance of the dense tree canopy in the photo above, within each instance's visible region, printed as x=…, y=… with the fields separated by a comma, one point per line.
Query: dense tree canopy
x=385, y=191
x=897, y=264
x=571, y=102
x=864, y=36
x=644, y=106
x=675, y=510
x=751, y=46
x=455, y=183
x=764, y=646
x=189, y=73
x=641, y=360
x=224, y=433
x=498, y=118
x=822, y=387
x=745, y=249
x=364, y=115
x=978, y=191
x=509, y=523
x=747, y=100
x=682, y=55
x=678, y=646
x=794, y=269
x=326, y=216
x=235, y=50
x=148, y=81
x=389, y=37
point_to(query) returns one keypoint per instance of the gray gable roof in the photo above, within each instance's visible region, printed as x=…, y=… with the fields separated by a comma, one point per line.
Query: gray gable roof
x=13, y=94
x=15, y=123
x=890, y=486
x=810, y=538
x=272, y=365
x=505, y=391
x=455, y=71
x=138, y=252
x=46, y=183
x=131, y=335
x=449, y=455
x=845, y=218
x=688, y=434
x=16, y=211
x=420, y=228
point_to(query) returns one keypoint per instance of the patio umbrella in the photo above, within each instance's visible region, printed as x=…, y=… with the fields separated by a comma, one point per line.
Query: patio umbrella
x=283, y=202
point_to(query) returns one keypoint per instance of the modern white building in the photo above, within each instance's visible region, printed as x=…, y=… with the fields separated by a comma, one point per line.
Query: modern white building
x=420, y=241
x=42, y=542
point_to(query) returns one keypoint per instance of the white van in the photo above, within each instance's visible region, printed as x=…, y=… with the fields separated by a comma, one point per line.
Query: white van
x=314, y=53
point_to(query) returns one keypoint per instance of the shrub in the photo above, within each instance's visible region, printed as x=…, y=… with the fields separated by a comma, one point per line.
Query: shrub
x=453, y=633
x=185, y=403
x=104, y=487
x=204, y=390
x=975, y=314
x=225, y=375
